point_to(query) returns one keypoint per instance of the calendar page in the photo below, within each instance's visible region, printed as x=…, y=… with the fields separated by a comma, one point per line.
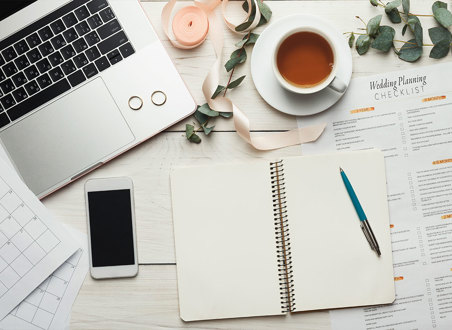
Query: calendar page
x=32, y=244
x=49, y=305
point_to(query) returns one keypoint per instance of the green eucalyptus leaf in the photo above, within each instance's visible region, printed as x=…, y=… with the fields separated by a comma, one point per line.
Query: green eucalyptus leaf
x=249, y=21
x=418, y=34
x=373, y=25
x=393, y=5
x=374, y=3
x=412, y=21
x=252, y=39
x=404, y=29
x=363, y=44
x=443, y=16
x=226, y=114
x=207, y=130
x=410, y=52
x=194, y=138
x=265, y=10
x=439, y=33
x=217, y=92
x=351, y=40
x=238, y=56
x=406, y=6
x=247, y=40
x=242, y=42
x=205, y=109
x=245, y=6
x=438, y=4
x=201, y=118
x=441, y=49
x=235, y=83
x=384, y=40
x=189, y=131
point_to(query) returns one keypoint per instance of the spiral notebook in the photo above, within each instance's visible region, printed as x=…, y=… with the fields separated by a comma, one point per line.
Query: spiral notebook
x=267, y=238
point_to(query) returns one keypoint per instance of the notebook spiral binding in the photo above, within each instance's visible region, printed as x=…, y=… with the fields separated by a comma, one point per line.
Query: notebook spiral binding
x=285, y=271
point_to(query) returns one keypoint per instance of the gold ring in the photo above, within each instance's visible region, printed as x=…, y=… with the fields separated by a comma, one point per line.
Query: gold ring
x=155, y=100
x=138, y=106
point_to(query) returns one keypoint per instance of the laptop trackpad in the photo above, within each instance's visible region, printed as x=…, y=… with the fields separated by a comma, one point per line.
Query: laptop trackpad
x=66, y=137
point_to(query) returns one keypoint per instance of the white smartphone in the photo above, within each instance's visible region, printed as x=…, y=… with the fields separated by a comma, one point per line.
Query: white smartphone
x=111, y=228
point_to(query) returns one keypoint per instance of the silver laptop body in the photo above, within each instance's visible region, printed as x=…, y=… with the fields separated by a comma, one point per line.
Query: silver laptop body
x=68, y=72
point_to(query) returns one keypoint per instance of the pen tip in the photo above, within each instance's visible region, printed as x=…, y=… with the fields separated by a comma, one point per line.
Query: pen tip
x=340, y=169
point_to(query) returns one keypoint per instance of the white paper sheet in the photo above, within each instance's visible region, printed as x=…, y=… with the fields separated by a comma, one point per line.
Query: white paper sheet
x=408, y=115
x=49, y=306
x=32, y=244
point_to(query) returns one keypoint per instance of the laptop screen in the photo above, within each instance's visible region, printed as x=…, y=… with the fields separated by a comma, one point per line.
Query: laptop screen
x=9, y=7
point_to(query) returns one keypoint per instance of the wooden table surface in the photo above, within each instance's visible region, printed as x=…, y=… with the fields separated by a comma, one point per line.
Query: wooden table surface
x=150, y=300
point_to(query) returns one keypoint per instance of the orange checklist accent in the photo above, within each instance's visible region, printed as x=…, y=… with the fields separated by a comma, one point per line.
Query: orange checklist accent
x=434, y=98
x=446, y=216
x=398, y=278
x=391, y=226
x=362, y=110
x=442, y=161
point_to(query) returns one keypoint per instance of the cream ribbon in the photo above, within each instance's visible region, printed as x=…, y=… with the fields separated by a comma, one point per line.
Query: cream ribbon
x=224, y=104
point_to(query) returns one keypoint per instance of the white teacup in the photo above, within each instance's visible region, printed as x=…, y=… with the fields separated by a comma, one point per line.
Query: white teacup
x=332, y=81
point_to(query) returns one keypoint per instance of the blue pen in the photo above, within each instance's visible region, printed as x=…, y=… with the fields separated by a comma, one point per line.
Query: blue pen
x=365, y=226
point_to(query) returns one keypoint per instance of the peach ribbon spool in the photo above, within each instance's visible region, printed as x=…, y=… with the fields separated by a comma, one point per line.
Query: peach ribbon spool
x=190, y=29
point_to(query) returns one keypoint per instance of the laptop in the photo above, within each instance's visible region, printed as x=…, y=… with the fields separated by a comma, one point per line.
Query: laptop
x=81, y=81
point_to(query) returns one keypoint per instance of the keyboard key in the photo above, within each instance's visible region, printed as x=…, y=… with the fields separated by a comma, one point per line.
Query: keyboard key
x=58, y=42
x=34, y=55
x=21, y=47
x=19, y=79
x=32, y=88
x=68, y=52
x=56, y=74
x=92, y=38
x=57, y=26
x=2, y=61
x=81, y=13
x=43, y=65
x=109, y=29
x=10, y=69
x=7, y=101
x=126, y=50
x=46, y=48
x=22, y=62
x=2, y=75
x=4, y=120
x=96, y=5
x=45, y=33
x=9, y=54
x=20, y=94
x=31, y=72
x=90, y=70
x=1, y=106
x=76, y=78
x=70, y=20
x=102, y=64
x=114, y=57
x=80, y=45
x=68, y=67
x=112, y=42
x=94, y=21
x=39, y=99
x=80, y=60
x=56, y=59
x=82, y=28
x=44, y=81
x=7, y=86
x=107, y=14
x=92, y=53
x=70, y=35
x=33, y=40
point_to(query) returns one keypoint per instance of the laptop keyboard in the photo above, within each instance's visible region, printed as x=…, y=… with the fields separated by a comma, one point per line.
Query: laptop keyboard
x=56, y=53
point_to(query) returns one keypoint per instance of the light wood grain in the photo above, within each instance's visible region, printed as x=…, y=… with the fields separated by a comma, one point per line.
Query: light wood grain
x=150, y=301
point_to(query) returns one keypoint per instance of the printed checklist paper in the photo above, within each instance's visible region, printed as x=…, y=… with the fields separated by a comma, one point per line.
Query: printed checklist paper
x=408, y=115
x=32, y=244
x=49, y=305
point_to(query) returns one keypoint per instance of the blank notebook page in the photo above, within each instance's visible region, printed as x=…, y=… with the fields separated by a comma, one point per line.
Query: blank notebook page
x=225, y=241
x=333, y=263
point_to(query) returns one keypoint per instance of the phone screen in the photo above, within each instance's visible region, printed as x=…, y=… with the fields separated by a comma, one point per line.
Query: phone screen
x=110, y=223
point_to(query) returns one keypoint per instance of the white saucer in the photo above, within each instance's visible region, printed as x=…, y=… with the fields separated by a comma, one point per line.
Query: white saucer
x=269, y=88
